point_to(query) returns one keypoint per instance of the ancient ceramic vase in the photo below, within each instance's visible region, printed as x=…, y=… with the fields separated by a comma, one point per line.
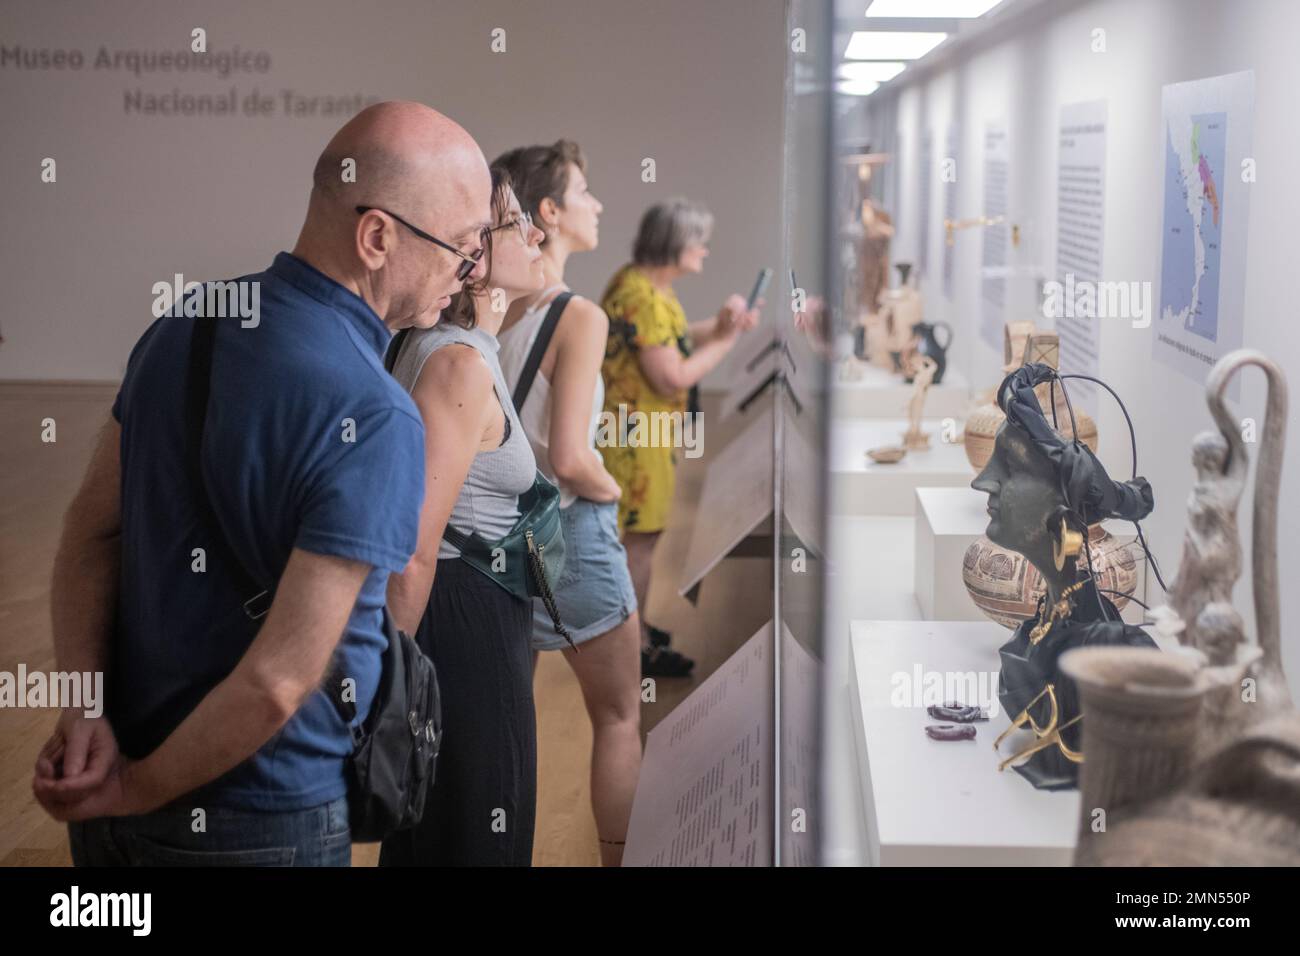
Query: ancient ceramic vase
x=982, y=424
x=926, y=343
x=900, y=310
x=1006, y=586
x=1159, y=803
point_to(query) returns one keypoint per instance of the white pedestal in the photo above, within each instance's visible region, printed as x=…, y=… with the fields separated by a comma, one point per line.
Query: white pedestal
x=868, y=576
x=860, y=486
x=862, y=390
x=947, y=521
x=944, y=803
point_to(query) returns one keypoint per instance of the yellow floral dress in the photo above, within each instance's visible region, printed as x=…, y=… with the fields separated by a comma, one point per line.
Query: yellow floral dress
x=640, y=316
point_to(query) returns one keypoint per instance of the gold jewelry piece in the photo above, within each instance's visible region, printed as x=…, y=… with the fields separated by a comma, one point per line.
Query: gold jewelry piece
x=1069, y=545
x=1061, y=609
x=1047, y=736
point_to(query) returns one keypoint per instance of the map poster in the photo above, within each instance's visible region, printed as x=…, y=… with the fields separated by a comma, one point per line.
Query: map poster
x=1207, y=136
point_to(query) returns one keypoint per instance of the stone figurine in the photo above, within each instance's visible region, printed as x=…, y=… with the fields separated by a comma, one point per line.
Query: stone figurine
x=900, y=311
x=925, y=342
x=1194, y=757
x=914, y=439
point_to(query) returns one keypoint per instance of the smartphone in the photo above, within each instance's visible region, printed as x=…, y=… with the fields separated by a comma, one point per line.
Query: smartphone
x=760, y=286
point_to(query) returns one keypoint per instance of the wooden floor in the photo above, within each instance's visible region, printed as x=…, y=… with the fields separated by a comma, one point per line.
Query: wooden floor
x=37, y=480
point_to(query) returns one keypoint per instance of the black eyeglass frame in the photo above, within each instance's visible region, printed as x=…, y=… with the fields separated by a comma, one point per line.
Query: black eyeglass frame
x=470, y=260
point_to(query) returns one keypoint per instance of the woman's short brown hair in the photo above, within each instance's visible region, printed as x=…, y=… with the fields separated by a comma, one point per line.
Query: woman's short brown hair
x=461, y=311
x=541, y=172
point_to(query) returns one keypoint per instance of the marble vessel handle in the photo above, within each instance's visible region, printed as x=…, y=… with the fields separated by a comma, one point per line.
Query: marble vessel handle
x=1268, y=480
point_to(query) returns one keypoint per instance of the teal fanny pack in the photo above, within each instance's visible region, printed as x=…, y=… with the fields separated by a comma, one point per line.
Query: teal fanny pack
x=530, y=556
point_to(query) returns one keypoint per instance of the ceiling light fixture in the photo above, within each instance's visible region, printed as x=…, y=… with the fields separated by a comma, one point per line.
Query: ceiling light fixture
x=871, y=70
x=888, y=45
x=856, y=87
x=931, y=9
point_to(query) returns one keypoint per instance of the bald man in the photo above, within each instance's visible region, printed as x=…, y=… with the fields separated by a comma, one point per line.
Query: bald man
x=217, y=746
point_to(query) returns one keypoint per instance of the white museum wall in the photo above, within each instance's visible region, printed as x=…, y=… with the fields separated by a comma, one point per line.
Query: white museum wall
x=696, y=87
x=1024, y=75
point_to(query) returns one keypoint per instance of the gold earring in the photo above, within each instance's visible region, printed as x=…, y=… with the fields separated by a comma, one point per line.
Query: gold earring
x=1069, y=545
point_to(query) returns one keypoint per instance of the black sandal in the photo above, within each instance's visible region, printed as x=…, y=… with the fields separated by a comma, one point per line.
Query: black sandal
x=657, y=637
x=663, y=662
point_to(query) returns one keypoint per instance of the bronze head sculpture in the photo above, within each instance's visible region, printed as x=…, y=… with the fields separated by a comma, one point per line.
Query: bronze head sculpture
x=1024, y=494
x=1044, y=492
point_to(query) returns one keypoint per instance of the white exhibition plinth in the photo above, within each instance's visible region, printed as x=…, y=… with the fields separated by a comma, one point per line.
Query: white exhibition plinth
x=944, y=803
x=860, y=486
x=947, y=521
x=879, y=393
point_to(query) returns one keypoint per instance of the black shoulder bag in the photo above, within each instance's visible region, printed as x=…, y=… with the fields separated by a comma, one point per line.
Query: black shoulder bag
x=395, y=751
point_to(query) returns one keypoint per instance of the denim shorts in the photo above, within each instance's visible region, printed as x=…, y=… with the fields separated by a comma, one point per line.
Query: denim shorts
x=318, y=836
x=594, y=593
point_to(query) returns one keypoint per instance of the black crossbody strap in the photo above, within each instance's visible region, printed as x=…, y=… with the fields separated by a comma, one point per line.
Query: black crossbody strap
x=257, y=599
x=463, y=541
x=544, y=334
x=395, y=348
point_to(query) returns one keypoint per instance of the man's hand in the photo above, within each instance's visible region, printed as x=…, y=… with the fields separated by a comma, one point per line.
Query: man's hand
x=113, y=797
x=79, y=770
x=80, y=754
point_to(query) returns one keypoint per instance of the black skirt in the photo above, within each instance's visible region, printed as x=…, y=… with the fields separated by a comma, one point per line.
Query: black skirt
x=483, y=804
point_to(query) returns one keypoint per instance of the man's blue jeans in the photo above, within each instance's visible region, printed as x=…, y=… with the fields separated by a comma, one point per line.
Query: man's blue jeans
x=318, y=836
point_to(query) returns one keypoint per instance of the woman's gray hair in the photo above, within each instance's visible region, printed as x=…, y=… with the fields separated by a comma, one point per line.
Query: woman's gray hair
x=669, y=227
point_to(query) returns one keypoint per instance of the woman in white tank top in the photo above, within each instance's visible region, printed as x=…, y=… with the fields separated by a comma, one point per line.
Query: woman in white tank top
x=560, y=416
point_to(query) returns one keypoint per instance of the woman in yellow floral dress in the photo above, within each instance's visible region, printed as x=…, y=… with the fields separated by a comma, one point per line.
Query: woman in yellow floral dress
x=653, y=362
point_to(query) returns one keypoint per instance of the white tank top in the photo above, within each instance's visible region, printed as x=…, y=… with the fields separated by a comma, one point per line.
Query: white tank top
x=535, y=417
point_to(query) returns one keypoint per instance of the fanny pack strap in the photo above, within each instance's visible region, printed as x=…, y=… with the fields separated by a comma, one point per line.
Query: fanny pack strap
x=465, y=542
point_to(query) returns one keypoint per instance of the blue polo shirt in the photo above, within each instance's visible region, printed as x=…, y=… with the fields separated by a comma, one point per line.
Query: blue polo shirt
x=309, y=444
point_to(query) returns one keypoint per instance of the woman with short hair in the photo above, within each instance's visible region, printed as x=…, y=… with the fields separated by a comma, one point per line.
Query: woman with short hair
x=654, y=362
x=559, y=414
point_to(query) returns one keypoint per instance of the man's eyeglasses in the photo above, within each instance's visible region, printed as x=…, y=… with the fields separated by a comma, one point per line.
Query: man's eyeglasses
x=523, y=222
x=469, y=260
